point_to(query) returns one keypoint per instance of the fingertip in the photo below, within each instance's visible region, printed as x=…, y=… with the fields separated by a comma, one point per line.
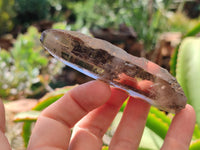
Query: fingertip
x=189, y=113
x=185, y=118
x=190, y=109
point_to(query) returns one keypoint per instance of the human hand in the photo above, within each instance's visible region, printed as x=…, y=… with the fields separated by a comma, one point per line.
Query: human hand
x=95, y=104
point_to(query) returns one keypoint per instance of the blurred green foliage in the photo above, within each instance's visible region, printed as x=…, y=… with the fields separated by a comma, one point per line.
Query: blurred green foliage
x=28, y=11
x=24, y=13
x=6, y=14
x=21, y=67
x=179, y=22
x=31, y=11
x=146, y=17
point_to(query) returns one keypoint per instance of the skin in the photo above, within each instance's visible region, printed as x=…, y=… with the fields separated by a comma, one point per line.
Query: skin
x=90, y=108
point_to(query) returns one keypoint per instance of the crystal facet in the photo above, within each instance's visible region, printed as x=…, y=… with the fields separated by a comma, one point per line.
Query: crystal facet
x=100, y=59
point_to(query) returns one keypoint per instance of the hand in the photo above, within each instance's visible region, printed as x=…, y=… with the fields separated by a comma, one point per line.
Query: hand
x=91, y=107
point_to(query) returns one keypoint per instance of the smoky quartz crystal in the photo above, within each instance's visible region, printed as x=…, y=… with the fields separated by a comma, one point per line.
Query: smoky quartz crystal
x=100, y=59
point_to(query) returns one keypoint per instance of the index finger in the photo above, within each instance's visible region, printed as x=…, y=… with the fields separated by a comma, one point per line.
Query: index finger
x=53, y=127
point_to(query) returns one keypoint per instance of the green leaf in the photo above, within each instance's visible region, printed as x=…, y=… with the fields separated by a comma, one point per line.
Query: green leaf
x=50, y=98
x=105, y=148
x=157, y=125
x=158, y=122
x=59, y=25
x=42, y=105
x=4, y=55
x=188, y=72
x=124, y=105
x=150, y=140
x=27, y=116
x=196, y=133
x=161, y=115
x=195, y=145
x=26, y=132
x=173, y=61
x=193, y=31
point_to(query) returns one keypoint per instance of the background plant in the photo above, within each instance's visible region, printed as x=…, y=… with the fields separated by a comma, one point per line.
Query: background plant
x=179, y=22
x=146, y=17
x=31, y=10
x=188, y=75
x=21, y=67
x=6, y=14
x=26, y=14
x=188, y=72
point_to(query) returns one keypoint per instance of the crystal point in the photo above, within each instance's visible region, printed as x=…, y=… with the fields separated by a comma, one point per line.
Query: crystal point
x=100, y=59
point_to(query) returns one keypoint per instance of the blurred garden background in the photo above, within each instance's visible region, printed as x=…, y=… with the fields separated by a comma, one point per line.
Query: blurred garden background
x=31, y=79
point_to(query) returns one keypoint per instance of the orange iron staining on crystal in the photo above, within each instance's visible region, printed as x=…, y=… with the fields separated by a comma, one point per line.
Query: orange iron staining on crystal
x=100, y=59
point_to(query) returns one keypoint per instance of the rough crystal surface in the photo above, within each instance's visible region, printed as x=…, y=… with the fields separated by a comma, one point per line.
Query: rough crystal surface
x=100, y=59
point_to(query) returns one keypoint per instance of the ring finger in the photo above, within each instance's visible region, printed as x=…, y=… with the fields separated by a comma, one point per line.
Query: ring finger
x=131, y=126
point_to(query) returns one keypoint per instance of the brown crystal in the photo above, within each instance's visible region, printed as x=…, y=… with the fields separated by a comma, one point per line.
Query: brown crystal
x=100, y=59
